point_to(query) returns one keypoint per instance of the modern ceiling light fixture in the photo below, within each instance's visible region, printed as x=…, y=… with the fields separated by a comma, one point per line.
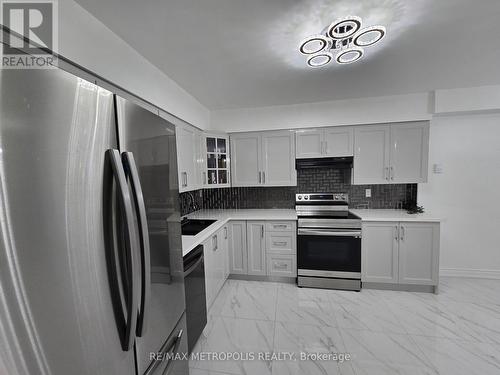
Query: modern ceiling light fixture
x=345, y=38
x=349, y=55
x=314, y=44
x=319, y=59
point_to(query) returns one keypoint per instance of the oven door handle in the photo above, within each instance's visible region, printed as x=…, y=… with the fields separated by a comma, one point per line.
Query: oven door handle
x=319, y=232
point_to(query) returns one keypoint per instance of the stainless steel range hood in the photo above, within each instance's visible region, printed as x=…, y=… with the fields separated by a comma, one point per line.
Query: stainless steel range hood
x=344, y=162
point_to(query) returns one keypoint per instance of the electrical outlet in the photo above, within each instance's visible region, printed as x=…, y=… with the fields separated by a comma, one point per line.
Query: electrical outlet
x=368, y=193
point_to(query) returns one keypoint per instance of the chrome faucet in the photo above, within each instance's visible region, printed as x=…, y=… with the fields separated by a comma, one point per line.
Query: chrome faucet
x=193, y=202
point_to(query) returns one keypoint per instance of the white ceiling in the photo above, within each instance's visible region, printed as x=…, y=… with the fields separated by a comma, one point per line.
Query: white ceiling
x=244, y=53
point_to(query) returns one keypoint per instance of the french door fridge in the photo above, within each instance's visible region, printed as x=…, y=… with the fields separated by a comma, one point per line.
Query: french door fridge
x=90, y=226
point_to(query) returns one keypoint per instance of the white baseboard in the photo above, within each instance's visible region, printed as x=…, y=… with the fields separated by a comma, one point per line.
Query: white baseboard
x=469, y=272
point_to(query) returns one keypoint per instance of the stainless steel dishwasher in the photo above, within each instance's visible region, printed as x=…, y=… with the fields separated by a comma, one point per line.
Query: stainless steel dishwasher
x=196, y=305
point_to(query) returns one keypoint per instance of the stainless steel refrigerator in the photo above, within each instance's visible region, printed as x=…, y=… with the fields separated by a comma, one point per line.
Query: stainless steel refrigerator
x=90, y=214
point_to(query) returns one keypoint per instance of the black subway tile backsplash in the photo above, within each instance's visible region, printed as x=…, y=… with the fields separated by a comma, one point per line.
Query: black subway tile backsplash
x=308, y=181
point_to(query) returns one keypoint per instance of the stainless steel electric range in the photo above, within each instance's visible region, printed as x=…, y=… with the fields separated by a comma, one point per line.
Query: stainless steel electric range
x=328, y=242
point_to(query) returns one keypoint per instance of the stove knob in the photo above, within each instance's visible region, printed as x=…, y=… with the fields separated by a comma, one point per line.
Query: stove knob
x=306, y=197
x=299, y=197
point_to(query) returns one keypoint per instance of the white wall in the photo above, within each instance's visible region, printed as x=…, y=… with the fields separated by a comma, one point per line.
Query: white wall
x=86, y=41
x=339, y=112
x=483, y=98
x=467, y=193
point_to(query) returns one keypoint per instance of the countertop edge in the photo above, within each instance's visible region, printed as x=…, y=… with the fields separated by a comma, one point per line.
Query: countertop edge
x=394, y=215
x=286, y=215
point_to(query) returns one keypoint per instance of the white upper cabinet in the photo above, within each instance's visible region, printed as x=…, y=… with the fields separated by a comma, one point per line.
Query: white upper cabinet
x=371, y=154
x=309, y=143
x=278, y=167
x=187, y=158
x=245, y=156
x=325, y=142
x=263, y=159
x=200, y=158
x=396, y=153
x=216, y=161
x=338, y=141
x=409, y=152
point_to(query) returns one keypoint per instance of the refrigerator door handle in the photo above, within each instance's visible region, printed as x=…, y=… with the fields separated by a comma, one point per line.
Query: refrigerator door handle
x=133, y=175
x=168, y=350
x=128, y=338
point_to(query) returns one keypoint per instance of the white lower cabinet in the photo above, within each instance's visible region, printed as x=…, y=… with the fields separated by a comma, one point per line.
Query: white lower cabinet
x=281, y=242
x=400, y=253
x=419, y=253
x=281, y=248
x=237, y=246
x=281, y=265
x=216, y=264
x=379, y=248
x=225, y=250
x=208, y=254
x=262, y=248
x=256, y=248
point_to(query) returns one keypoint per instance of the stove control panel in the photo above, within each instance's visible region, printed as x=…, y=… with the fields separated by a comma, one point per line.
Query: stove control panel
x=322, y=197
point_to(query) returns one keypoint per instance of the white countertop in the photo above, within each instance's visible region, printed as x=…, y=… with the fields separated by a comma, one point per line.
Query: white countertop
x=393, y=215
x=223, y=216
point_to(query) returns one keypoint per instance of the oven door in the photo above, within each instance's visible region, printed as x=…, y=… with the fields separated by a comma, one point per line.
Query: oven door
x=329, y=252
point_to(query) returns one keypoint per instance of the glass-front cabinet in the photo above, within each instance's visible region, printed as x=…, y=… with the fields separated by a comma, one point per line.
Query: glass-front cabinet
x=217, y=167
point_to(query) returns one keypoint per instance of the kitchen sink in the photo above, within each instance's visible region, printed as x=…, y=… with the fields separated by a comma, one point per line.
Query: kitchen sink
x=191, y=227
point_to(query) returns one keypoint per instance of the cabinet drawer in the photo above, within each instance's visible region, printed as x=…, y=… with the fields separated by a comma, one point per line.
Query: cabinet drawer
x=281, y=265
x=280, y=226
x=281, y=242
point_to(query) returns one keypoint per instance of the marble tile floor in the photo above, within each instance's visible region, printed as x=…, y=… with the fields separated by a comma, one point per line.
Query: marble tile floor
x=453, y=333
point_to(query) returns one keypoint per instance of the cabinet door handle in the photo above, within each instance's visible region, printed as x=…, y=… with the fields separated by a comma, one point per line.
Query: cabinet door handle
x=387, y=173
x=225, y=233
x=279, y=243
x=279, y=226
x=280, y=265
x=204, y=178
x=214, y=242
x=396, y=232
x=262, y=231
x=402, y=233
x=263, y=177
x=260, y=177
x=392, y=173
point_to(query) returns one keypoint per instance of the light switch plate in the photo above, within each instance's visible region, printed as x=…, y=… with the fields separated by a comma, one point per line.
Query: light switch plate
x=368, y=193
x=437, y=168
